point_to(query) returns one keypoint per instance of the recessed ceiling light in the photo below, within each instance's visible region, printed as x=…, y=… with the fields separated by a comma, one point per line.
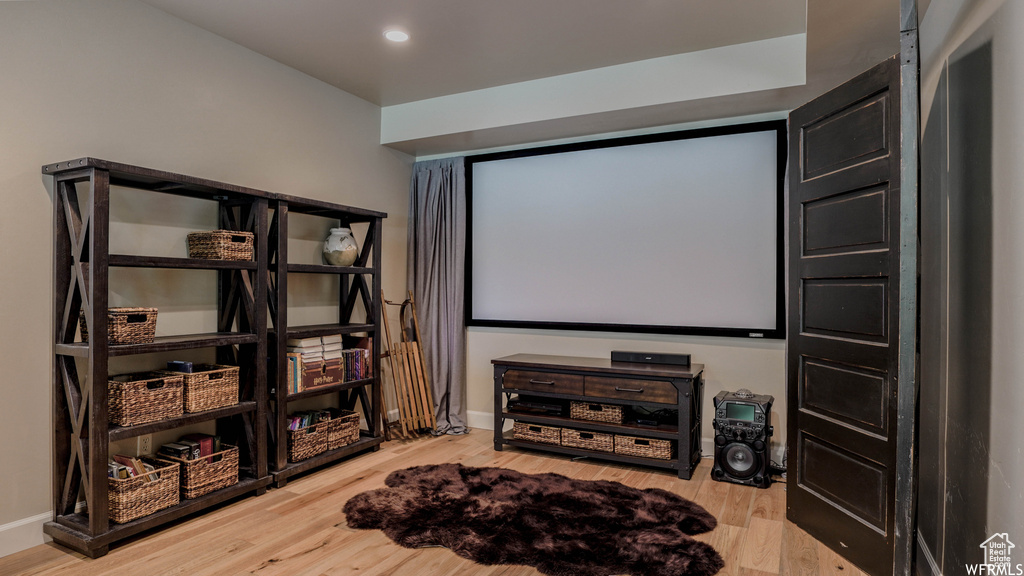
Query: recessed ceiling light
x=396, y=35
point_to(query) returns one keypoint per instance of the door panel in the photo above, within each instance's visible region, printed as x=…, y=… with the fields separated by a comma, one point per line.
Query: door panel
x=843, y=355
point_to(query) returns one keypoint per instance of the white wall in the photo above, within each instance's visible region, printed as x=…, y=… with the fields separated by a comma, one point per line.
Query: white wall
x=122, y=81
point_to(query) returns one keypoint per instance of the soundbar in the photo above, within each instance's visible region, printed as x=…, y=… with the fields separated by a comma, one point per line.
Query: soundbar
x=651, y=357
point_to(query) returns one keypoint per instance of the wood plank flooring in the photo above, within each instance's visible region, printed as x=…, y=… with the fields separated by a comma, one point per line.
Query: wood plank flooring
x=300, y=529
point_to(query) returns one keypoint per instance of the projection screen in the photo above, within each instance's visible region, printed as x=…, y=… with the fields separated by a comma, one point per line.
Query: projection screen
x=671, y=233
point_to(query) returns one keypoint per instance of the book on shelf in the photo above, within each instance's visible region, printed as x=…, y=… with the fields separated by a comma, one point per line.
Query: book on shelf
x=310, y=342
x=123, y=467
x=205, y=442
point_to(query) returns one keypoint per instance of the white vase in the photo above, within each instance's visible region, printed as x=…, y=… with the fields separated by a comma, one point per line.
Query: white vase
x=340, y=248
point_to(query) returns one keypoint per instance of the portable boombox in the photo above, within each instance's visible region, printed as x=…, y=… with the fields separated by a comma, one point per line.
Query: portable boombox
x=742, y=433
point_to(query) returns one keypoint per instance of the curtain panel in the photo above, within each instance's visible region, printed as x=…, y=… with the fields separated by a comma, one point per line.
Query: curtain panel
x=437, y=249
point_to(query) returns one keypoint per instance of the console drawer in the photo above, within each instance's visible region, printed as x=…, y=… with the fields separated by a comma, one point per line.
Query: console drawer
x=629, y=389
x=543, y=382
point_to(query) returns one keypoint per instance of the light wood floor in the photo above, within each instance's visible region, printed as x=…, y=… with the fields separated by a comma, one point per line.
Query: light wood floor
x=300, y=529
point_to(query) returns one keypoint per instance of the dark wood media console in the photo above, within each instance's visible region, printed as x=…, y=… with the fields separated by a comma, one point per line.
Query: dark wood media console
x=629, y=385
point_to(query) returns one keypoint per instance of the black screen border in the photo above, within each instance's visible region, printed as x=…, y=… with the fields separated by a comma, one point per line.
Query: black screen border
x=778, y=333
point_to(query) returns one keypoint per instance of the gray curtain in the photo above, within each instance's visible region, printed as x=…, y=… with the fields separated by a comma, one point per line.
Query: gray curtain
x=437, y=248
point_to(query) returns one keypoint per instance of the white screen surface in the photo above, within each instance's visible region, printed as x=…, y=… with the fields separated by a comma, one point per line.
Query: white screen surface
x=678, y=233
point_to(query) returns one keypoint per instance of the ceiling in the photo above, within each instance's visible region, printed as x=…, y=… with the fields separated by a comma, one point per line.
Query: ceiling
x=462, y=45
x=458, y=46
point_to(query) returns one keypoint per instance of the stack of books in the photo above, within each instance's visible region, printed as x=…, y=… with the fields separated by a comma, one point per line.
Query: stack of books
x=321, y=361
x=122, y=467
x=192, y=447
x=299, y=420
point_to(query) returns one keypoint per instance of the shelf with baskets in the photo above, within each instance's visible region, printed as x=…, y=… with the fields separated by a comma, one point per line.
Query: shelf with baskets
x=93, y=407
x=358, y=292
x=641, y=414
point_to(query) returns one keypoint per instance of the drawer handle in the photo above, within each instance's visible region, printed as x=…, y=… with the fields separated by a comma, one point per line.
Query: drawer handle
x=637, y=390
x=544, y=382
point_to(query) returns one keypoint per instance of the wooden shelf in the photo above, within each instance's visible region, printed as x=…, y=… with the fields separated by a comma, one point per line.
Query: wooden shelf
x=72, y=530
x=321, y=390
x=327, y=269
x=577, y=452
x=328, y=329
x=293, y=468
x=630, y=429
x=121, y=433
x=132, y=261
x=163, y=344
x=590, y=399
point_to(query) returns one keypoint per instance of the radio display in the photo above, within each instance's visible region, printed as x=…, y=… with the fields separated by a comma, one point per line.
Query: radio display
x=739, y=411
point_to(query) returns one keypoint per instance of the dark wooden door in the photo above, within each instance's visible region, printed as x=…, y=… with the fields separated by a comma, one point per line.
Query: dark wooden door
x=844, y=318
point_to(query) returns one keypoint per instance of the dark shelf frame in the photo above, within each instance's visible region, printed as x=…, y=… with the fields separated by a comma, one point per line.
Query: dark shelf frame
x=82, y=261
x=124, y=432
x=359, y=284
x=245, y=291
x=687, y=380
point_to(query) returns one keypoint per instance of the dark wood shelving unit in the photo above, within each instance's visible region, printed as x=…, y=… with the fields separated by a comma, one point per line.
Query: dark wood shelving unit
x=251, y=295
x=82, y=434
x=359, y=287
x=601, y=381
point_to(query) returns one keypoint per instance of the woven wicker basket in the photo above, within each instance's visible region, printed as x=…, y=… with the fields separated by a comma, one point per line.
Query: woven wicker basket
x=209, y=386
x=610, y=413
x=342, y=430
x=307, y=442
x=126, y=325
x=132, y=498
x=220, y=245
x=588, y=440
x=643, y=447
x=143, y=397
x=208, y=473
x=536, y=433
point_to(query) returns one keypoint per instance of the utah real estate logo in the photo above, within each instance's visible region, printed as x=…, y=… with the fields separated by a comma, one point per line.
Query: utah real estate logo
x=998, y=553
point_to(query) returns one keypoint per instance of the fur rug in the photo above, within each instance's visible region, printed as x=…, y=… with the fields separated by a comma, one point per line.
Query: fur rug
x=561, y=526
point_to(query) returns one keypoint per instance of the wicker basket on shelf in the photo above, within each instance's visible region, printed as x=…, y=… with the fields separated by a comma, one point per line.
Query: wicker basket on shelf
x=536, y=433
x=342, y=430
x=588, y=440
x=220, y=245
x=643, y=447
x=126, y=325
x=307, y=442
x=132, y=498
x=209, y=386
x=206, y=474
x=143, y=397
x=610, y=413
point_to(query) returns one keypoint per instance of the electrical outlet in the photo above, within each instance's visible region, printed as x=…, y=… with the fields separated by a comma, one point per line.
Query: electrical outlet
x=145, y=444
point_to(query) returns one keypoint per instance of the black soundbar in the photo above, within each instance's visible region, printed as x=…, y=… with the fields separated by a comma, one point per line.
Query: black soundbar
x=651, y=357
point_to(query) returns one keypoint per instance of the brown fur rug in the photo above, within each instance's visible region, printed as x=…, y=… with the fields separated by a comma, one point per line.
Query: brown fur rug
x=561, y=526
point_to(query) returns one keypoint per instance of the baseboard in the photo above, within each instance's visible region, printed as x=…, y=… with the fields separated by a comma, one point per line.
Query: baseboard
x=481, y=420
x=23, y=534
x=485, y=421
